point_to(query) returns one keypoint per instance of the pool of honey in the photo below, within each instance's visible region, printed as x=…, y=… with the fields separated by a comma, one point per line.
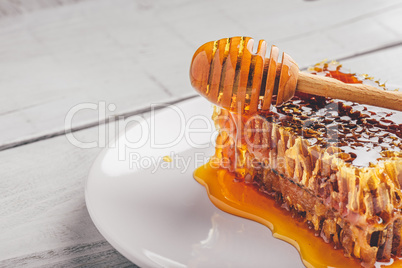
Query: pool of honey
x=244, y=200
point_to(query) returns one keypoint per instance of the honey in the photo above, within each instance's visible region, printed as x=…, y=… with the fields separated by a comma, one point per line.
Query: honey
x=364, y=133
x=229, y=74
x=331, y=166
x=167, y=158
x=244, y=200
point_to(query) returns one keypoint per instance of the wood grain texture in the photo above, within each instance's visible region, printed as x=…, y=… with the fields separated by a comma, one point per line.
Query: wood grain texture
x=9, y=8
x=43, y=217
x=96, y=254
x=382, y=65
x=132, y=53
x=361, y=93
x=56, y=54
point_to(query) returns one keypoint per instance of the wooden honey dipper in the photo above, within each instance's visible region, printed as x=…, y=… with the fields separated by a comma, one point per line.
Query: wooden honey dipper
x=230, y=75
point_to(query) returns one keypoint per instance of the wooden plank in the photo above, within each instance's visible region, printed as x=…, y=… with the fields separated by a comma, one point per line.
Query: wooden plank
x=347, y=40
x=131, y=54
x=44, y=220
x=383, y=65
x=96, y=254
x=134, y=53
x=13, y=8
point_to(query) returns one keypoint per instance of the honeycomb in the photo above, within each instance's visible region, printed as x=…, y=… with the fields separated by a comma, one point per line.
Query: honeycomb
x=337, y=164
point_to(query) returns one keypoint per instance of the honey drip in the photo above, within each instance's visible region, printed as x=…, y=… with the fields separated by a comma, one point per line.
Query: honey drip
x=245, y=200
x=229, y=74
x=236, y=195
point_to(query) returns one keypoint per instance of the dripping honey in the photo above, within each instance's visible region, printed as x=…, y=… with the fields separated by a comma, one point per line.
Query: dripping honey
x=245, y=200
x=233, y=195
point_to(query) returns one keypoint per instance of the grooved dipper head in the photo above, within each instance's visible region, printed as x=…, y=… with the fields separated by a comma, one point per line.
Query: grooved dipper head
x=230, y=75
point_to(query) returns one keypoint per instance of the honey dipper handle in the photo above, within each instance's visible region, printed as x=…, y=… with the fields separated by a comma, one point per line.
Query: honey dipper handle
x=330, y=87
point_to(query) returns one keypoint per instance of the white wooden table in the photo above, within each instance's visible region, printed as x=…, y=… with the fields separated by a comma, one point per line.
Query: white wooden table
x=56, y=54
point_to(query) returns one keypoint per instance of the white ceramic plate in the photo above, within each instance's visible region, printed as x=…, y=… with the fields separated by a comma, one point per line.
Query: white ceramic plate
x=157, y=215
